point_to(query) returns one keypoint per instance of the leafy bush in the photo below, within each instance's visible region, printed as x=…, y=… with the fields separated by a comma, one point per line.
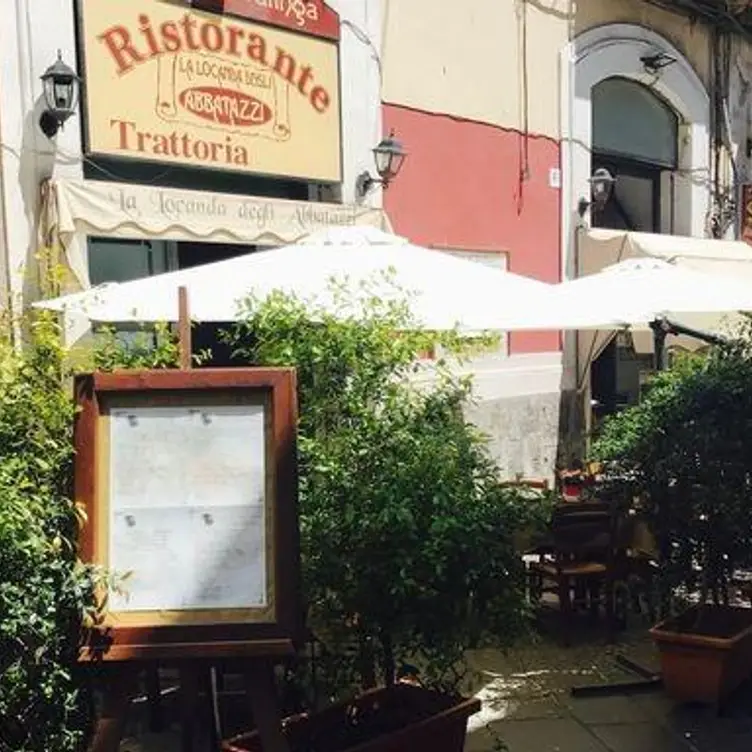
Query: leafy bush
x=407, y=534
x=43, y=591
x=686, y=448
x=153, y=347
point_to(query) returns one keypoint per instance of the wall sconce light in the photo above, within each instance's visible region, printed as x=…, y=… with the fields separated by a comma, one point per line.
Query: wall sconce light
x=61, y=87
x=389, y=156
x=601, y=186
x=656, y=62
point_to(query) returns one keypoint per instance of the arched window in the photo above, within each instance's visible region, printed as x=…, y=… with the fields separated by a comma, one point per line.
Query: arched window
x=629, y=120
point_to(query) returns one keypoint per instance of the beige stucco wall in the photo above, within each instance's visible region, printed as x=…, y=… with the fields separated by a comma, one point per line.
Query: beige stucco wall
x=691, y=39
x=466, y=59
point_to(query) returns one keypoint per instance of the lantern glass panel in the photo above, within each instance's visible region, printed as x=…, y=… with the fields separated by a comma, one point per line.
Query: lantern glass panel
x=63, y=95
x=383, y=156
x=49, y=92
x=397, y=162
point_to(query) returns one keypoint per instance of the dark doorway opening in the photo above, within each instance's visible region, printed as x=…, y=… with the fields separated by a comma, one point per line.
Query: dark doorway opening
x=208, y=336
x=635, y=202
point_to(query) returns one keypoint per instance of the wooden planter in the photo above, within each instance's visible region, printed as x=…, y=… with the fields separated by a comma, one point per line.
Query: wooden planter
x=401, y=719
x=706, y=652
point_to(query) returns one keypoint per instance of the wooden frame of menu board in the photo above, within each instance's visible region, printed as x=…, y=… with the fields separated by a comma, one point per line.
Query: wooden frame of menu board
x=190, y=487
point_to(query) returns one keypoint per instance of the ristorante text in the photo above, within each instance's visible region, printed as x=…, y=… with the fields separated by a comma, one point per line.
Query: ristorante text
x=130, y=48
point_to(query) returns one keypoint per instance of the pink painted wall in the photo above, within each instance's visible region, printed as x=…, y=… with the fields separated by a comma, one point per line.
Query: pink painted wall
x=461, y=187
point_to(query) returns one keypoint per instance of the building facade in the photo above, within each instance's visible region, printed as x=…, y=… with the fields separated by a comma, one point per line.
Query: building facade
x=509, y=110
x=204, y=130
x=201, y=135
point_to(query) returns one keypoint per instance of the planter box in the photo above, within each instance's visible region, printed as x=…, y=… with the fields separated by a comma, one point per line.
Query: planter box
x=706, y=652
x=401, y=719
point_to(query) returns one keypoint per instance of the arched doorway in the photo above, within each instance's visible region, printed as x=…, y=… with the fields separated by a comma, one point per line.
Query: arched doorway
x=616, y=51
x=635, y=136
x=602, y=53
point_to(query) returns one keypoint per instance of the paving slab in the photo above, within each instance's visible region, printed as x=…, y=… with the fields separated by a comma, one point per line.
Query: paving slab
x=538, y=709
x=548, y=735
x=708, y=734
x=640, y=737
x=536, y=712
x=605, y=710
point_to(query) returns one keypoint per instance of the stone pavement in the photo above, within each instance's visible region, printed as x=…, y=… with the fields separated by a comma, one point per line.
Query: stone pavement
x=528, y=706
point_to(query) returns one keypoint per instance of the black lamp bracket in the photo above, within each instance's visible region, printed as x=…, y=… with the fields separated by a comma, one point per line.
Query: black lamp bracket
x=366, y=182
x=50, y=123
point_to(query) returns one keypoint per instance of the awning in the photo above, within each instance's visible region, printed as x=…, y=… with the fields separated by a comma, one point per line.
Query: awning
x=599, y=248
x=73, y=209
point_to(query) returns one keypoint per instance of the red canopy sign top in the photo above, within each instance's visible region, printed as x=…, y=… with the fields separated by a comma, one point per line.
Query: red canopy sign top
x=311, y=17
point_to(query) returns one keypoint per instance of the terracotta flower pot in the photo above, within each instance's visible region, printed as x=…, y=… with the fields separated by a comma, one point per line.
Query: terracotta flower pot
x=401, y=719
x=706, y=652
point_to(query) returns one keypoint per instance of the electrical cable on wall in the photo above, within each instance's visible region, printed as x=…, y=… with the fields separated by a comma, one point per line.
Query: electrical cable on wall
x=363, y=37
x=524, y=175
x=723, y=209
x=67, y=159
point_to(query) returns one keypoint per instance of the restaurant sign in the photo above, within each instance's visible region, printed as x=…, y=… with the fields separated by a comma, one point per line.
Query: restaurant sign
x=308, y=16
x=170, y=83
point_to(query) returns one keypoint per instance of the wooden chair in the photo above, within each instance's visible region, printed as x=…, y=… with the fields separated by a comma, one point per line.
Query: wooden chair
x=579, y=561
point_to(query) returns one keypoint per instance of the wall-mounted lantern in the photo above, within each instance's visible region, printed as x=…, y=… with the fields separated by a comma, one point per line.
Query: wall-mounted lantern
x=389, y=156
x=601, y=186
x=61, y=87
x=655, y=62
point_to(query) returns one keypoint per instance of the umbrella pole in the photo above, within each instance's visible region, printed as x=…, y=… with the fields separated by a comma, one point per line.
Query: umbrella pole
x=185, y=345
x=663, y=327
x=659, y=344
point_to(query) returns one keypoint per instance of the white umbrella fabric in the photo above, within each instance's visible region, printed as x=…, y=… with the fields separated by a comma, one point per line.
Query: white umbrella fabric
x=640, y=292
x=445, y=291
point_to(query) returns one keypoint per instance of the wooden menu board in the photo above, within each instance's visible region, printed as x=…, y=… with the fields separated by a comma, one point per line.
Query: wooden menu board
x=189, y=483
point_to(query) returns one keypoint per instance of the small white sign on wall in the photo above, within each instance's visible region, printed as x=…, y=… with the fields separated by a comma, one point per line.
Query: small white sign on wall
x=495, y=260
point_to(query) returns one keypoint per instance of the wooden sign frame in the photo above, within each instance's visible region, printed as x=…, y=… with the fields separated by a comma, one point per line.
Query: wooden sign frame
x=272, y=630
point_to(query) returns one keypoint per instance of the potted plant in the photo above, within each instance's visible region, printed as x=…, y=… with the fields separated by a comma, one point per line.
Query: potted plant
x=407, y=532
x=575, y=481
x=685, y=449
x=393, y=719
x=706, y=652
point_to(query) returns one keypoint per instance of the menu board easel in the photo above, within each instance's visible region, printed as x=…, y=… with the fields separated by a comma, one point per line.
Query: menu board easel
x=189, y=483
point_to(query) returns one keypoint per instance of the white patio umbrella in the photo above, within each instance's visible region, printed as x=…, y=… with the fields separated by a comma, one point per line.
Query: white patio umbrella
x=645, y=293
x=445, y=291
x=639, y=291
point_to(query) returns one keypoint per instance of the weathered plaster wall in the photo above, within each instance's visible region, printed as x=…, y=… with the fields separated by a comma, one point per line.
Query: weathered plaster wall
x=522, y=433
x=692, y=39
x=473, y=92
x=489, y=61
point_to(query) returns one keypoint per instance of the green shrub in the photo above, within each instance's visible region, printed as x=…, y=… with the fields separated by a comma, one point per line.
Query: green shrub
x=43, y=591
x=407, y=535
x=686, y=448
